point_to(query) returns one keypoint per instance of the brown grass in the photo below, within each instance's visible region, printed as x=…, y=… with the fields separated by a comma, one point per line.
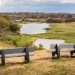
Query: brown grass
x=41, y=64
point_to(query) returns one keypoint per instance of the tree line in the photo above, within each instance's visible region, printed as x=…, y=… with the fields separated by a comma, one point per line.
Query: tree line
x=43, y=17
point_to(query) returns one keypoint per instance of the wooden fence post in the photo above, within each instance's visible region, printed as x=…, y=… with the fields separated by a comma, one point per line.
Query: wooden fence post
x=71, y=53
x=3, y=57
x=27, y=54
x=53, y=54
x=57, y=51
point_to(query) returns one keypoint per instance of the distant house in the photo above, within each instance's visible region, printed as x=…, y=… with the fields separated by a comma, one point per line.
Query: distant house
x=18, y=20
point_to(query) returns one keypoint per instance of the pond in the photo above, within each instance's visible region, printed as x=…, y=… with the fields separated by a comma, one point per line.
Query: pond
x=33, y=28
x=36, y=28
x=47, y=42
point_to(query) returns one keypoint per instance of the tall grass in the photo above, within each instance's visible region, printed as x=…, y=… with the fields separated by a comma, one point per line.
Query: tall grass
x=19, y=40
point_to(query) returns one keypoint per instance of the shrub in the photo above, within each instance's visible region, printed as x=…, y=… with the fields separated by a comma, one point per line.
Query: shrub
x=35, y=47
x=14, y=27
x=40, y=47
x=55, y=20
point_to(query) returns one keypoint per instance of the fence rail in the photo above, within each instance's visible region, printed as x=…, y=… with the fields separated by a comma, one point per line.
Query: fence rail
x=16, y=52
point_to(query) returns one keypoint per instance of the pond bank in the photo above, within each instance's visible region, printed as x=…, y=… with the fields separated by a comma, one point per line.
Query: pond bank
x=38, y=29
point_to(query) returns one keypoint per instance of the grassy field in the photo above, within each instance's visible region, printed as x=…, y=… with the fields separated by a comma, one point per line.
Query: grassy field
x=18, y=40
x=4, y=45
x=41, y=64
x=64, y=31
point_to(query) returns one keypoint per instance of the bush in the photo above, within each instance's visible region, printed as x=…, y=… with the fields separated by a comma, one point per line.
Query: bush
x=4, y=25
x=35, y=47
x=14, y=27
x=40, y=47
x=55, y=20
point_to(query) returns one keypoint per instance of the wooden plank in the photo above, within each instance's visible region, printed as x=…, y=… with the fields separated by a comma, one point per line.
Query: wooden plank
x=16, y=55
x=31, y=49
x=67, y=45
x=27, y=54
x=13, y=55
x=66, y=50
x=13, y=51
x=60, y=50
x=52, y=46
x=53, y=54
x=3, y=57
x=17, y=50
x=58, y=53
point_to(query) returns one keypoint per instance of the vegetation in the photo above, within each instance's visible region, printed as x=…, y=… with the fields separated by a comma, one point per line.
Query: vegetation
x=40, y=17
x=38, y=48
x=63, y=31
x=9, y=33
x=41, y=64
x=4, y=25
x=55, y=20
x=19, y=40
x=9, y=30
x=7, y=26
x=14, y=27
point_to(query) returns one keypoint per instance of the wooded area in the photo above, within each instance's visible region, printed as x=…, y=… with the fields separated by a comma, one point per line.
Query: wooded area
x=41, y=17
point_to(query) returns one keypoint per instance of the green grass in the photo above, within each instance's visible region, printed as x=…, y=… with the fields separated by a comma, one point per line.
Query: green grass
x=19, y=40
x=5, y=45
x=65, y=31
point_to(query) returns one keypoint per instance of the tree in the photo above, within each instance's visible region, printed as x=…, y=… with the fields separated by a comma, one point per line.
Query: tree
x=4, y=24
x=14, y=27
x=7, y=27
x=54, y=20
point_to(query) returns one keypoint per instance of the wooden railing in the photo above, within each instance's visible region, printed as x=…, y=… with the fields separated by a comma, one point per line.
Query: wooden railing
x=67, y=47
x=16, y=52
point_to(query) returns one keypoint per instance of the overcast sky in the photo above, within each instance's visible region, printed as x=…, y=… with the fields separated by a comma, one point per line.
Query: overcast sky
x=58, y=6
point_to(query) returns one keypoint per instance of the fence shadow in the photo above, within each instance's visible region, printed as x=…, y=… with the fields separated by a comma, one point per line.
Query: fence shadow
x=14, y=63
x=67, y=56
x=43, y=58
